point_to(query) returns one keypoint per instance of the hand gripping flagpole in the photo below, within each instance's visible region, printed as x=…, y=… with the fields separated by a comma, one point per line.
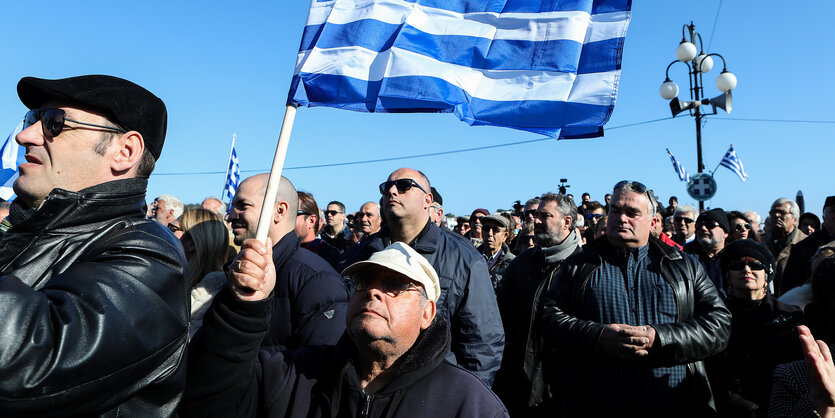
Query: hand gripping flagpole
x=268, y=207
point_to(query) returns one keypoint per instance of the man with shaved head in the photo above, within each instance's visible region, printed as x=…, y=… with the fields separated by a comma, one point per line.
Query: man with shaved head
x=310, y=298
x=467, y=301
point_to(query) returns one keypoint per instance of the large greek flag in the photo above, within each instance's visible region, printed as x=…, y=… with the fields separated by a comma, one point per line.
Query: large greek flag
x=732, y=162
x=546, y=66
x=12, y=156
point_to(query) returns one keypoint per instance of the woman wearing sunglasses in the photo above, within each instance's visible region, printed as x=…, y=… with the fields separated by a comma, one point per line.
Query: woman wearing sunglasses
x=763, y=332
x=741, y=228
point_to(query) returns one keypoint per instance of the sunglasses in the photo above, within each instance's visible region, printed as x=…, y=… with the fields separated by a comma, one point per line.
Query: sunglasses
x=636, y=187
x=527, y=238
x=331, y=212
x=708, y=223
x=493, y=228
x=303, y=213
x=742, y=227
x=53, y=120
x=740, y=265
x=594, y=216
x=530, y=212
x=391, y=286
x=174, y=228
x=402, y=186
x=681, y=219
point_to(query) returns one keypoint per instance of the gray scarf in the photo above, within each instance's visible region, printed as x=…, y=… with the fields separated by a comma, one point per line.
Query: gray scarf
x=562, y=250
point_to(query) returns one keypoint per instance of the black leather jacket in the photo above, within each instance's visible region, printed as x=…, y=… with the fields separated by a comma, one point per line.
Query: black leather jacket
x=94, y=302
x=702, y=326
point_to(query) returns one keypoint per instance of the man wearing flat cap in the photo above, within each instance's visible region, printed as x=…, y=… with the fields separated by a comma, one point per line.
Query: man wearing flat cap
x=94, y=298
x=712, y=229
x=495, y=230
x=390, y=361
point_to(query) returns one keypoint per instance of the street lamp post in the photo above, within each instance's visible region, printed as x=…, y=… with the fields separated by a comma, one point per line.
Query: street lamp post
x=697, y=64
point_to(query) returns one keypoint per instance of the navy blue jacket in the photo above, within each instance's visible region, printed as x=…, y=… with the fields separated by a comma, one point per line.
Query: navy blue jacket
x=229, y=377
x=310, y=298
x=467, y=300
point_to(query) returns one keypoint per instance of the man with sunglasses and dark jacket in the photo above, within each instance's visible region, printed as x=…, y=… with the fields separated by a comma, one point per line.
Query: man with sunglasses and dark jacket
x=94, y=298
x=712, y=229
x=389, y=363
x=467, y=300
x=630, y=320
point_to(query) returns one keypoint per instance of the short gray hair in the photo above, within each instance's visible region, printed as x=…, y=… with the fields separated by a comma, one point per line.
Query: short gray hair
x=795, y=210
x=565, y=205
x=172, y=203
x=687, y=209
x=635, y=187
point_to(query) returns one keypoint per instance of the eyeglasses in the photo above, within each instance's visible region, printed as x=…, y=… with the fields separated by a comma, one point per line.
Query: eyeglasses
x=174, y=228
x=52, y=121
x=527, y=238
x=332, y=212
x=594, y=216
x=636, y=187
x=402, y=185
x=708, y=223
x=391, y=286
x=530, y=212
x=303, y=213
x=683, y=219
x=742, y=227
x=754, y=265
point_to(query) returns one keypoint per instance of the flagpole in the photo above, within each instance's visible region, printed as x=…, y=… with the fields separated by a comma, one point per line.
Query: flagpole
x=720, y=161
x=268, y=206
x=228, y=166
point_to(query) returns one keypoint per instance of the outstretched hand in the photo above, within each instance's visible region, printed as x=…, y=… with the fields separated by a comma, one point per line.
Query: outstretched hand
x=821, y=371
x=252, y=274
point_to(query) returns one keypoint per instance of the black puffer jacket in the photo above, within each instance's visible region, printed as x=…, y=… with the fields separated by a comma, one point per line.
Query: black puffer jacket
x=702, y=326
x=228, y=377
x=95, y=308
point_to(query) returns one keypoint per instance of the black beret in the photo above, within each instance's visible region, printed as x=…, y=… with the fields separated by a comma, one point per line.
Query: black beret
x=437, y=196
x=120, y=101
x=716, y=215
x=747, y=248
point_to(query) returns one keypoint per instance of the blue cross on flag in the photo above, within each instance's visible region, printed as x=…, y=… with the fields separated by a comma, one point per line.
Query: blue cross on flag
x=233, y=176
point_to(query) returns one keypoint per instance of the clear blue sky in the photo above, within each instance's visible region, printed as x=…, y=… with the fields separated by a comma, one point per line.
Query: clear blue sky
x=225, y=68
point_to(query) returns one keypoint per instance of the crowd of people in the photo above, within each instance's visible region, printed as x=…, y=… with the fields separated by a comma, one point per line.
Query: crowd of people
x=621, y=306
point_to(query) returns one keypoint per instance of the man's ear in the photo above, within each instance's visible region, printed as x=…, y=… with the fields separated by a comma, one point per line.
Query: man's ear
x=280, y=213
x=427, y=198
x=428, y=315
x=126, y=152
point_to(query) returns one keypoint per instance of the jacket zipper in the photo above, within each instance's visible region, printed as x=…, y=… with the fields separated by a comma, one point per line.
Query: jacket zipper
x=366, y=404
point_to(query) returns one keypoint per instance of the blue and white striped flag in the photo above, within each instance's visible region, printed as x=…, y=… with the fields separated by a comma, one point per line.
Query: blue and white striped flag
x=731, y=162
x=233, y=176
x=682, y=173
x=12, y=156
x=549, y=67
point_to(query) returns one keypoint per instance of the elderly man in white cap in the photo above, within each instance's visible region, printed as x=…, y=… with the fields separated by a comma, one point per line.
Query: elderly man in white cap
x=390, y=362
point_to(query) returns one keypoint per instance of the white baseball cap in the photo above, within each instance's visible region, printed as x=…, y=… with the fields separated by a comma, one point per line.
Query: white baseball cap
x=402, y=259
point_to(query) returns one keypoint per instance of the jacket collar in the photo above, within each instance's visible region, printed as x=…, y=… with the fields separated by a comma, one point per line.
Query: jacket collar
x=425, y=243
x=656, y=247
x=284, y=249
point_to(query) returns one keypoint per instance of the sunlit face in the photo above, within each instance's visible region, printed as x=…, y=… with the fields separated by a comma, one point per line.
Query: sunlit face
x=629, y=222
x=747, y=282
x=475, y=225
x=740, y=229
x=246, y=209
x=710, y=235
x=530, y=213
x=551, y=226
x=494, y=236
x=684, y=224
x=369, y=218
x=383, y=322
x=68, y=161
x=410, y=204
x=335, y=217
x=782, y=219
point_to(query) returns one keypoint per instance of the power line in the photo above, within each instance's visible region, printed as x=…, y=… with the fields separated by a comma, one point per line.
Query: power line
x=458, y=151
x=716, y=19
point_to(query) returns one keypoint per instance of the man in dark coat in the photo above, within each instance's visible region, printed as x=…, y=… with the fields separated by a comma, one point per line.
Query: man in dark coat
x=467, y=300
x=310, y=297
x=631, y=320
x=94, y=299
x=494, y=230
x=520, y=382
x=712, y=229
x=390, y=362
x=799, y=267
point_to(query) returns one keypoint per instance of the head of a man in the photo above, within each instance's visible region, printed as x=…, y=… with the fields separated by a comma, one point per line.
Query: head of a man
x=631, y=215
x=594, y=211
x=307, y=218
x=712, y=229
x=335, y=216
x=215, y=205
x=166, y=209
x=555, y=219
x=530, y=210
x=495, y=229
x=828, y=223
x=394, y=298
x=84, y=131
x=808, y=223
x=684, y=221
x=436, y=209
x=784, y=214
x=585, y=198
x=369, y=219
x=462, y=225
x=247, y=204
x=475, y=222
x=406, y=197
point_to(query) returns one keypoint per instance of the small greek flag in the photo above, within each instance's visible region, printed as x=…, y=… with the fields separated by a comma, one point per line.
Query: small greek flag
x=233, y=176
x=12, y=156
x=731, y=162
x=548, y=67
x=682, y=173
